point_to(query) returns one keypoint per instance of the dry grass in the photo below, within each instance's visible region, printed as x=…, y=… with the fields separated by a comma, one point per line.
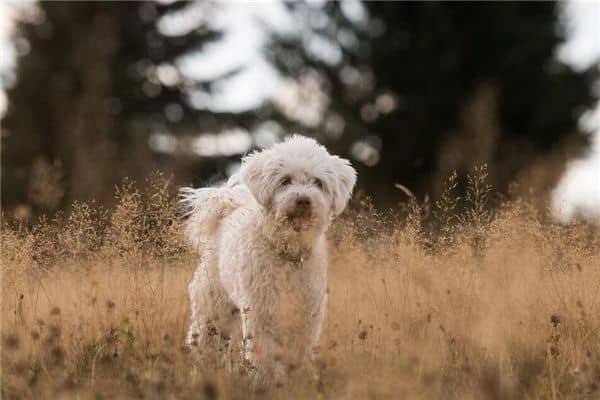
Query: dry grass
x=430, y=304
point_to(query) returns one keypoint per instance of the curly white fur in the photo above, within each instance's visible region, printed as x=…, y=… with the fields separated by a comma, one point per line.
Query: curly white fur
x=261, y=237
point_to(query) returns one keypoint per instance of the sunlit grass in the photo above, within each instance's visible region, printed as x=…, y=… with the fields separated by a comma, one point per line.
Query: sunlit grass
x=426, y=302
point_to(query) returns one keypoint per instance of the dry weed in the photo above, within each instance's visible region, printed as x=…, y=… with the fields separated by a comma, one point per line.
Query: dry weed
x=423, y=305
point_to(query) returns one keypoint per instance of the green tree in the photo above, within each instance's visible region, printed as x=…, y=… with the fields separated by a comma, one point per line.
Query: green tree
x=88, y=93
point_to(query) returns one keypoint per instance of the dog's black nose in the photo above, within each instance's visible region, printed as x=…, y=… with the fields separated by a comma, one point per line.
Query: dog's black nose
x=303, y=203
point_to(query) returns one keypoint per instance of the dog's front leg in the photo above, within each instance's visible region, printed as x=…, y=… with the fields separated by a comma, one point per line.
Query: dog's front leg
x=317, y=318
x=263, y=352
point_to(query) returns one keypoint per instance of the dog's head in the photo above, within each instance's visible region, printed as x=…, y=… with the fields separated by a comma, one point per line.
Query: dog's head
x=299, y=182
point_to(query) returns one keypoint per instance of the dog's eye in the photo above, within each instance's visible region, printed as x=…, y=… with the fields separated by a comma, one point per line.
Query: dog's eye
x=319, y=183
x=286, y=181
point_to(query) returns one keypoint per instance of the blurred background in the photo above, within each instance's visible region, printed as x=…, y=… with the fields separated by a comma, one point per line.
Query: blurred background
x=93, y=92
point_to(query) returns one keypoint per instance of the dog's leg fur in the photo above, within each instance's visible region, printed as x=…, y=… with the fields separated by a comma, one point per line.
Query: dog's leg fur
x=263, y=351
x=214, y=322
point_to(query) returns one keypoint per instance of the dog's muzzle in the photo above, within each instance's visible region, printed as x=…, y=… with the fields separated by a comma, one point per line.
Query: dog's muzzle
x=300, y=216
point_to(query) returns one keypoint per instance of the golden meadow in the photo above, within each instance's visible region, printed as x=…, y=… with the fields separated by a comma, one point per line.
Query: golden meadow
x=446, y=300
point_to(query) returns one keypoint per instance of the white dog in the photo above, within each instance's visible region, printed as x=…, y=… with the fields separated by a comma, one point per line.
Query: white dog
x=261, y=238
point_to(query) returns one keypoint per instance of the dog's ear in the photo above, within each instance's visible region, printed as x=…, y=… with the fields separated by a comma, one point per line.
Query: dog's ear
x=257, y=172
x=344, y=178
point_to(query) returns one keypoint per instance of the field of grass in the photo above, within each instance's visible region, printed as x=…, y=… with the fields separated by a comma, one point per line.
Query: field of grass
x=431, y=301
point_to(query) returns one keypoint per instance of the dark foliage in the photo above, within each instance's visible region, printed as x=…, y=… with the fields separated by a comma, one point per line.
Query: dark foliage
x=474, y=83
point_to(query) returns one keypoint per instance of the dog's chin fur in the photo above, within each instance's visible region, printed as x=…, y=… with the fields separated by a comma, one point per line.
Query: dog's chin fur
x=261, y=282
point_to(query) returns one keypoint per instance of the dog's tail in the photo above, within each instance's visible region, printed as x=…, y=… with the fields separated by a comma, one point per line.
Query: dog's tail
x=204, y=208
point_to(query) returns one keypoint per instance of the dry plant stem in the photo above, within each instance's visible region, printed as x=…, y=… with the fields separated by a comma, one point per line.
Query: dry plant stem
x=483, y=304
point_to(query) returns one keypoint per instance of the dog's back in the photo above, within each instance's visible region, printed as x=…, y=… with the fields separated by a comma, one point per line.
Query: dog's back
x=205, y=208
